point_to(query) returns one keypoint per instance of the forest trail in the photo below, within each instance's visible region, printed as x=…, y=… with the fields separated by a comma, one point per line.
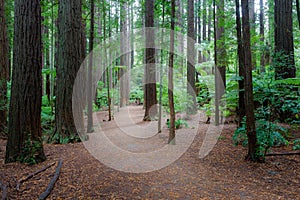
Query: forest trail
x=222, y=174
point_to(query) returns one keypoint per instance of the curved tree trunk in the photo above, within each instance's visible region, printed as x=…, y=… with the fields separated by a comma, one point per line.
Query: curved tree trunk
x=24, y=130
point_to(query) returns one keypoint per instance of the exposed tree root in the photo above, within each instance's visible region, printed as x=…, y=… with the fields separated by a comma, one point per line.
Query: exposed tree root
x=32, y=175
x=48, y=190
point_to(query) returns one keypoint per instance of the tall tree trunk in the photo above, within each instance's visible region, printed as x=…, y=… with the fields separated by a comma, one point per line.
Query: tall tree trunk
x=252, y=30
x=284, y=41
x=69, y=61
x=220, y=72
x=170, y=85
x=150, y=87
x=124, y=60
x=298, y=11
x=90, y=70
x=262, y=35
x=24, y=129
x=249, y=102
x=4, y=71
x=191, y=72
x=204, y=25
x=199, y=30
x=241, y=107
x=161, y=70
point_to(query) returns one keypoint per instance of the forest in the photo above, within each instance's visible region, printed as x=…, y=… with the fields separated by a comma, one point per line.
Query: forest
x=149, y=99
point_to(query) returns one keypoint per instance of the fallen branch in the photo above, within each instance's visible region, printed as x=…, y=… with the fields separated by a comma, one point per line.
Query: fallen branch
x=48, y=190
x=32, y=175
x=283, y=154
x=4, y=191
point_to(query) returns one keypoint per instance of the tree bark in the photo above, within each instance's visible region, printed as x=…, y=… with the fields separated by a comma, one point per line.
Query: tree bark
x=262, y=35
x=220, y=73
x=191, y=72
x=124, y=60
x=4, y=71
x=170, y=85
x=150, y=82
x=241, y=107
x=24, y=129
x=284, y=41
x=298, y=11
x=90, y=70
x=249, y=102
x=69, y=61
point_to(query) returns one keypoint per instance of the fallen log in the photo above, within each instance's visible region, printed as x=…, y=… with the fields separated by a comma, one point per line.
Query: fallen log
x=4, y=191
x=283, y=154
x=48, y=190
x=32, y=175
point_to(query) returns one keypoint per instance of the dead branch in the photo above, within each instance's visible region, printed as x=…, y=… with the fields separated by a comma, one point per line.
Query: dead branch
x=283, y=154
x=32, y=175
x=4, y=191
x=48, y=190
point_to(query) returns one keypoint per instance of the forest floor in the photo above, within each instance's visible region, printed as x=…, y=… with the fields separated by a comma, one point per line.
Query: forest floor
x=223, y=174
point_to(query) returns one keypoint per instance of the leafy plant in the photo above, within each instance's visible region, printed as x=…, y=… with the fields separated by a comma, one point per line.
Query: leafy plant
x=296, y=144
x=29, y=151
x=268, y=135
x=178, y=123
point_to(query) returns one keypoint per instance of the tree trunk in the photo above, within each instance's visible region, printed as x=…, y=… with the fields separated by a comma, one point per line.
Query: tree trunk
x=24, y=129
x=171, y=86
x=199, y=30
x=90, y=71
x=191, y=72
x=249, y=102
x=298, y=11
x=150, y=82
x=4, y=71
x=124, y=60
x=69, y=61
x=204, y=21
x=262, y=35
x=221, y=62
x=241, y=107
x=284, y=42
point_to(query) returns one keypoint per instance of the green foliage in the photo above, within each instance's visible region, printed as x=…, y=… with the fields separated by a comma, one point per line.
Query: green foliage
x=47, y=115
x=59, y=139
x=137, y=94
x=178, y=123
x=268, y=135
x=30, y=151
x=296, y=144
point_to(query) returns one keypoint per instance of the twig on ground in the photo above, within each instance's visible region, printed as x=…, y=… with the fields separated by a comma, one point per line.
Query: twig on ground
x=48, y=190
x=4, y=190
x=32, y=175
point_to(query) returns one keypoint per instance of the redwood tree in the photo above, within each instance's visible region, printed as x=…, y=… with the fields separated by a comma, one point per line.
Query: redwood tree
x=69, y=61
x=170, y=85
x=191, y=72
x=24, y=129
x=241, y=107
x=284, y=43
x=249, y=102
x=4, y=70
x=150, y=75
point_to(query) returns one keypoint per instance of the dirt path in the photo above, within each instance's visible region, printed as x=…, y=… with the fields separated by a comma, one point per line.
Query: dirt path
x=223, y=174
